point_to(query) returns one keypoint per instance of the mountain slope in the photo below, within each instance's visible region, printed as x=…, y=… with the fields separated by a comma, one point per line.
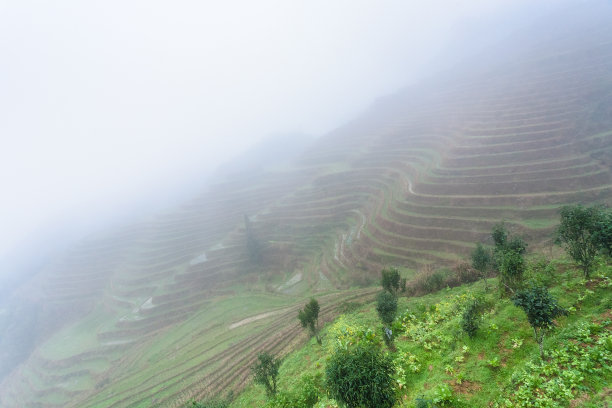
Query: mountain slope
x=155, y=313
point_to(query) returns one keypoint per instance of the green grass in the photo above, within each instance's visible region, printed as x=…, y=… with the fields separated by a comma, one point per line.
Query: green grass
x=498, y=365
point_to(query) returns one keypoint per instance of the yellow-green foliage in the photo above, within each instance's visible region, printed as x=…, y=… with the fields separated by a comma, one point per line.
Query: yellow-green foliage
x=346, y=331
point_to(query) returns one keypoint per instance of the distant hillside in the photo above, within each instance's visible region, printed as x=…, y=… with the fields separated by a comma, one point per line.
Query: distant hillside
x=154, y=313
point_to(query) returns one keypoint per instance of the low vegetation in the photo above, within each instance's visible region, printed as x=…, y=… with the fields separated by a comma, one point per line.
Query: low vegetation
x=549, y=344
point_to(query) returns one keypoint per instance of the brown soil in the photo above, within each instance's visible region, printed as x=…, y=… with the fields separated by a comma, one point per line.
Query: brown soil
x=466, y=387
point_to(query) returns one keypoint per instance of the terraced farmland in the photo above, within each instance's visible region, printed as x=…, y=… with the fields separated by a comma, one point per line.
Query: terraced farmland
x=173, y=308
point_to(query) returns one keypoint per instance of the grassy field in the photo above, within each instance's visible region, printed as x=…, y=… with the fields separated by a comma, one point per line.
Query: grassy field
x=500, y=366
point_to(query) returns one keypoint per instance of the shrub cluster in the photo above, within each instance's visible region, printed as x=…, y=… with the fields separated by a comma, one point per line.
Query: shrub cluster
x=361, y=376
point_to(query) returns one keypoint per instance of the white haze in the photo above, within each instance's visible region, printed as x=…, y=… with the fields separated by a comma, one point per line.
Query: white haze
x=104, y=102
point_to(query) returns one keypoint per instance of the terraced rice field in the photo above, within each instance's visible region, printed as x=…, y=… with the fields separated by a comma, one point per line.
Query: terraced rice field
x=148, y=316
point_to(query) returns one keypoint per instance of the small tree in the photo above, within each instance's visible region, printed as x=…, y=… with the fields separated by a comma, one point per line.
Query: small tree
x=482, y=262
x=512, y=267
x=499, y=235
x=505, y=243
x=265, y=372
x=309, y=317
x=390, y=279
x=541, y=310
x=386, y=306
x=471, y=318
x=578, y=233
x=361, y=377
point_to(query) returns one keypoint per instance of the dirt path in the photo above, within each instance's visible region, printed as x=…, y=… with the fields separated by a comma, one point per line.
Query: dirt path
x=256, y=317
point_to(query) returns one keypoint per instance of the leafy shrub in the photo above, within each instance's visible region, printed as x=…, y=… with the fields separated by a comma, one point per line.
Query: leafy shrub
x=470, y=320
x=512, y=267
x=306, y=396
x=583, y=232
x=541, y=272
x=390, y=279
x=541, y=310
x=443, y=395
x=345, y=332
x=309, y=317
x=434, y=281
x=494, y=362
x=386, y=306
x=361, y=376
x=482, y=259
x=466, y=273
x=265, y=372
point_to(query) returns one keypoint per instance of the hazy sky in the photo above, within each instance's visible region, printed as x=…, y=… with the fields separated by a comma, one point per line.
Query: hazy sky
x=104, y=101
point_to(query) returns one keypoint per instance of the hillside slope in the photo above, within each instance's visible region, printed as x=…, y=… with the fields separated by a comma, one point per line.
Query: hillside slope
x=153, y=314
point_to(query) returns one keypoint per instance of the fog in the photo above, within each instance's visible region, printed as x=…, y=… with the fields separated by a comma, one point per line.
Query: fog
x=112, y=108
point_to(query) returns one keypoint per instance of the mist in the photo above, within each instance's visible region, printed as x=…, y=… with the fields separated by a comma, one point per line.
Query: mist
x=113, y=110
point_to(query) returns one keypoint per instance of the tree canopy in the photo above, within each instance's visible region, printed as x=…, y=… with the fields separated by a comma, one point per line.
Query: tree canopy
x=579, y=233
x=309, y=317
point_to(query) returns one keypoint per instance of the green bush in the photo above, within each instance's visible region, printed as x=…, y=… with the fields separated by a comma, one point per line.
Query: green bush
x=309, y=317
x=471, y=318
x=434, y=281
x=443, y=395
x=390, y=279
x=361, y=376
x=386, y=306
x=512, y=267
x=583, y=231
x=306, y=396
x=265, y=372
x=541, y=310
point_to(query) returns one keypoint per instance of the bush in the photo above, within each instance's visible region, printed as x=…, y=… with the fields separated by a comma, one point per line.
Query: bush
x=361, y=376
x=541, y=310
x=541, y=272
x=309, y=317
x=390, y=279
x=443, y=395
x=481, y=259
x=582, y=232
x=465, y=273
x=512, y=267
x=471, y=318
x=433, y=281
x=265, y=371
x=386, y=306
x=306, y=396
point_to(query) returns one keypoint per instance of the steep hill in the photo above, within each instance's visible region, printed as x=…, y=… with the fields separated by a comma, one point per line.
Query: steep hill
x=177, y=306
